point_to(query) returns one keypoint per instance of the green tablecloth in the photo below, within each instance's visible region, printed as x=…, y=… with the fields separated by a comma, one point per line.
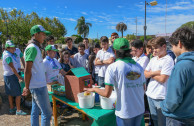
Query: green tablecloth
x=101, y=116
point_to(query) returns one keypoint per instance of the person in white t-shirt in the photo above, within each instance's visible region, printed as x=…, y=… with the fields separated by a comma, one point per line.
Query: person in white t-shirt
x=159, y=70
x=52, y=66
x=140, y=57
x=104, y=57
x=11, y=78
x=128, y=79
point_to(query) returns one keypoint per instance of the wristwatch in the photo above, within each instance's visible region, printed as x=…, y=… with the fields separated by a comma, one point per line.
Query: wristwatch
x=101, y=61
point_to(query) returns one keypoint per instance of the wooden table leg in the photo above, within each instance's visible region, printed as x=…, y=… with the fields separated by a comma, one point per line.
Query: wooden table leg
x=83, y=116
x=55, y=111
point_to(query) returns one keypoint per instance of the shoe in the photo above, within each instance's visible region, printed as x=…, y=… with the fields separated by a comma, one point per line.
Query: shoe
x=21, y=113
x=12, y=111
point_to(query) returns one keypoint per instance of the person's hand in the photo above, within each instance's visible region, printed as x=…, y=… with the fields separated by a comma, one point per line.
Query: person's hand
x=89, y=89
x=20, y=79
x=26, y=91
x=20, y=69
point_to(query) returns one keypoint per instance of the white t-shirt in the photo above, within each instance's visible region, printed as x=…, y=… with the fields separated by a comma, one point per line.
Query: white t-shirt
x=81, y=60
x=130, y=93
x=6, y=67
x=104, y=55
x=18, y=56
x=143, y=60
x=38, y=78
x=51, y=73
x=156, y=90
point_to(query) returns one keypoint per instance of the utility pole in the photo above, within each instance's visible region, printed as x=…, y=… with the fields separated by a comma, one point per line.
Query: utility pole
x=145, y=27
x=136, y=25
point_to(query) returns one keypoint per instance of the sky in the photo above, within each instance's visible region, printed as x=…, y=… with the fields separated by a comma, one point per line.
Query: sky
x=105, y=14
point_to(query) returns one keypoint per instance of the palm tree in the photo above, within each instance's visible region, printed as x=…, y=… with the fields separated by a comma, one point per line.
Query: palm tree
x=82, y=27
x=121, y=27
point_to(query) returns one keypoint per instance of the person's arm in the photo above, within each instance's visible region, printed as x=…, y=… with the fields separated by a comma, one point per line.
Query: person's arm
x=23, y=62
x=108, y=61
x=30, y=55
x=161, y=78
x=103, y=92
x=22, y=59
x=98, y=62
x=149, y=74
x=15, y=71
x=176, y=88
x=27, y=77
x=62, y=72
x=69, y=63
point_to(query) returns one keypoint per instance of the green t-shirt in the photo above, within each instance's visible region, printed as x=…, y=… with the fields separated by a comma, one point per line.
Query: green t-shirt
x=30, y=54
x=21, y=55
x=8, y=60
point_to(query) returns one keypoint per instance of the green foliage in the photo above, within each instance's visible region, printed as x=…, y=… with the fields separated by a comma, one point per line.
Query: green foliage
x=130, y=37
x=83, y=27
x=121, y=27
x=78, y=39
x=61, y=40
x=188, y=24
x=96, y=41
x=19, y=25
x=147, y=38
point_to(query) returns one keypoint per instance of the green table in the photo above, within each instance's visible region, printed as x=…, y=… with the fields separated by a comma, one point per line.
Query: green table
x=101, y=116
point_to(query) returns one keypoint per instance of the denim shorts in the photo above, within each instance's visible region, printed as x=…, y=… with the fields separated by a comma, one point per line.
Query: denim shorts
x=12, y=85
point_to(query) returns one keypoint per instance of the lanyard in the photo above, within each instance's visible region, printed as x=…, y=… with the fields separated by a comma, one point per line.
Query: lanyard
x=12, y=55
x=51, y=60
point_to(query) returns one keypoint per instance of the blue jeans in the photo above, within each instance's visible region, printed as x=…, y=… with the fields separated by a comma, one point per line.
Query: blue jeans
x=135, y=121
x=96, y=78
x=158, y=118
x=40, y=102
x=101, y=81
x=179, y=122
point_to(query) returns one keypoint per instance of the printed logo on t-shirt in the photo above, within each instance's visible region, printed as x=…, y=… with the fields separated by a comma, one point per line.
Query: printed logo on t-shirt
x=132, y=75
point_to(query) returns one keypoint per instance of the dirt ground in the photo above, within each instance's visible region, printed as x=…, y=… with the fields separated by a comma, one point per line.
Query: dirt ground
x=69, y=118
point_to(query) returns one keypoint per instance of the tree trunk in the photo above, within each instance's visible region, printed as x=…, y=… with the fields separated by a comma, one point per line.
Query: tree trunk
x=122, y=33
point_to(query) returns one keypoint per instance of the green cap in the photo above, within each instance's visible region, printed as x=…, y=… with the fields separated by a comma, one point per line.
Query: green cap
x=121, y=44
x=51, y=47
x=9, y=43
x=38, y=28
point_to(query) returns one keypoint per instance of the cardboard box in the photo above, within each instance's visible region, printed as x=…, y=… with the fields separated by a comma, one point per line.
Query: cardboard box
x=76, y=80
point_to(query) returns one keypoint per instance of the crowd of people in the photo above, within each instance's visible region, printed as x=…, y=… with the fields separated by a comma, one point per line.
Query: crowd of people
x=140, y=73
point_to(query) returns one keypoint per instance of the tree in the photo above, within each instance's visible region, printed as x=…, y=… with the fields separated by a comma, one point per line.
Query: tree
x=130, y=37
x=78, y=39
x=18, y=26
x=147, y=38
x=121, y=27
x=83, y=27
x=188, y=24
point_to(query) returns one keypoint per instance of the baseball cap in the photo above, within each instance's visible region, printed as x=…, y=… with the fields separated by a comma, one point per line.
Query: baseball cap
x=38, y=28
x=121, y=44
x=9, y=43
x=51, y=47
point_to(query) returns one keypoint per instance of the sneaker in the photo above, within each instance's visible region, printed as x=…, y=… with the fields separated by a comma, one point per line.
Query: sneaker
x=21, y=113
x=12, y=111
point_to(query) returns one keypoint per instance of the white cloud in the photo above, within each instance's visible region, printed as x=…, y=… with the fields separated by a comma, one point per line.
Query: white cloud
x=65, y=7
x=44, y=9
x=111, y=27
x=84, y=13
x=120, y=6
x=170, y=7
x=69, y=19
x=156, y=24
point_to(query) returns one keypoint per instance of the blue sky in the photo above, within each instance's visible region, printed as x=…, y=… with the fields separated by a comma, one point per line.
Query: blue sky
x=105, y=14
